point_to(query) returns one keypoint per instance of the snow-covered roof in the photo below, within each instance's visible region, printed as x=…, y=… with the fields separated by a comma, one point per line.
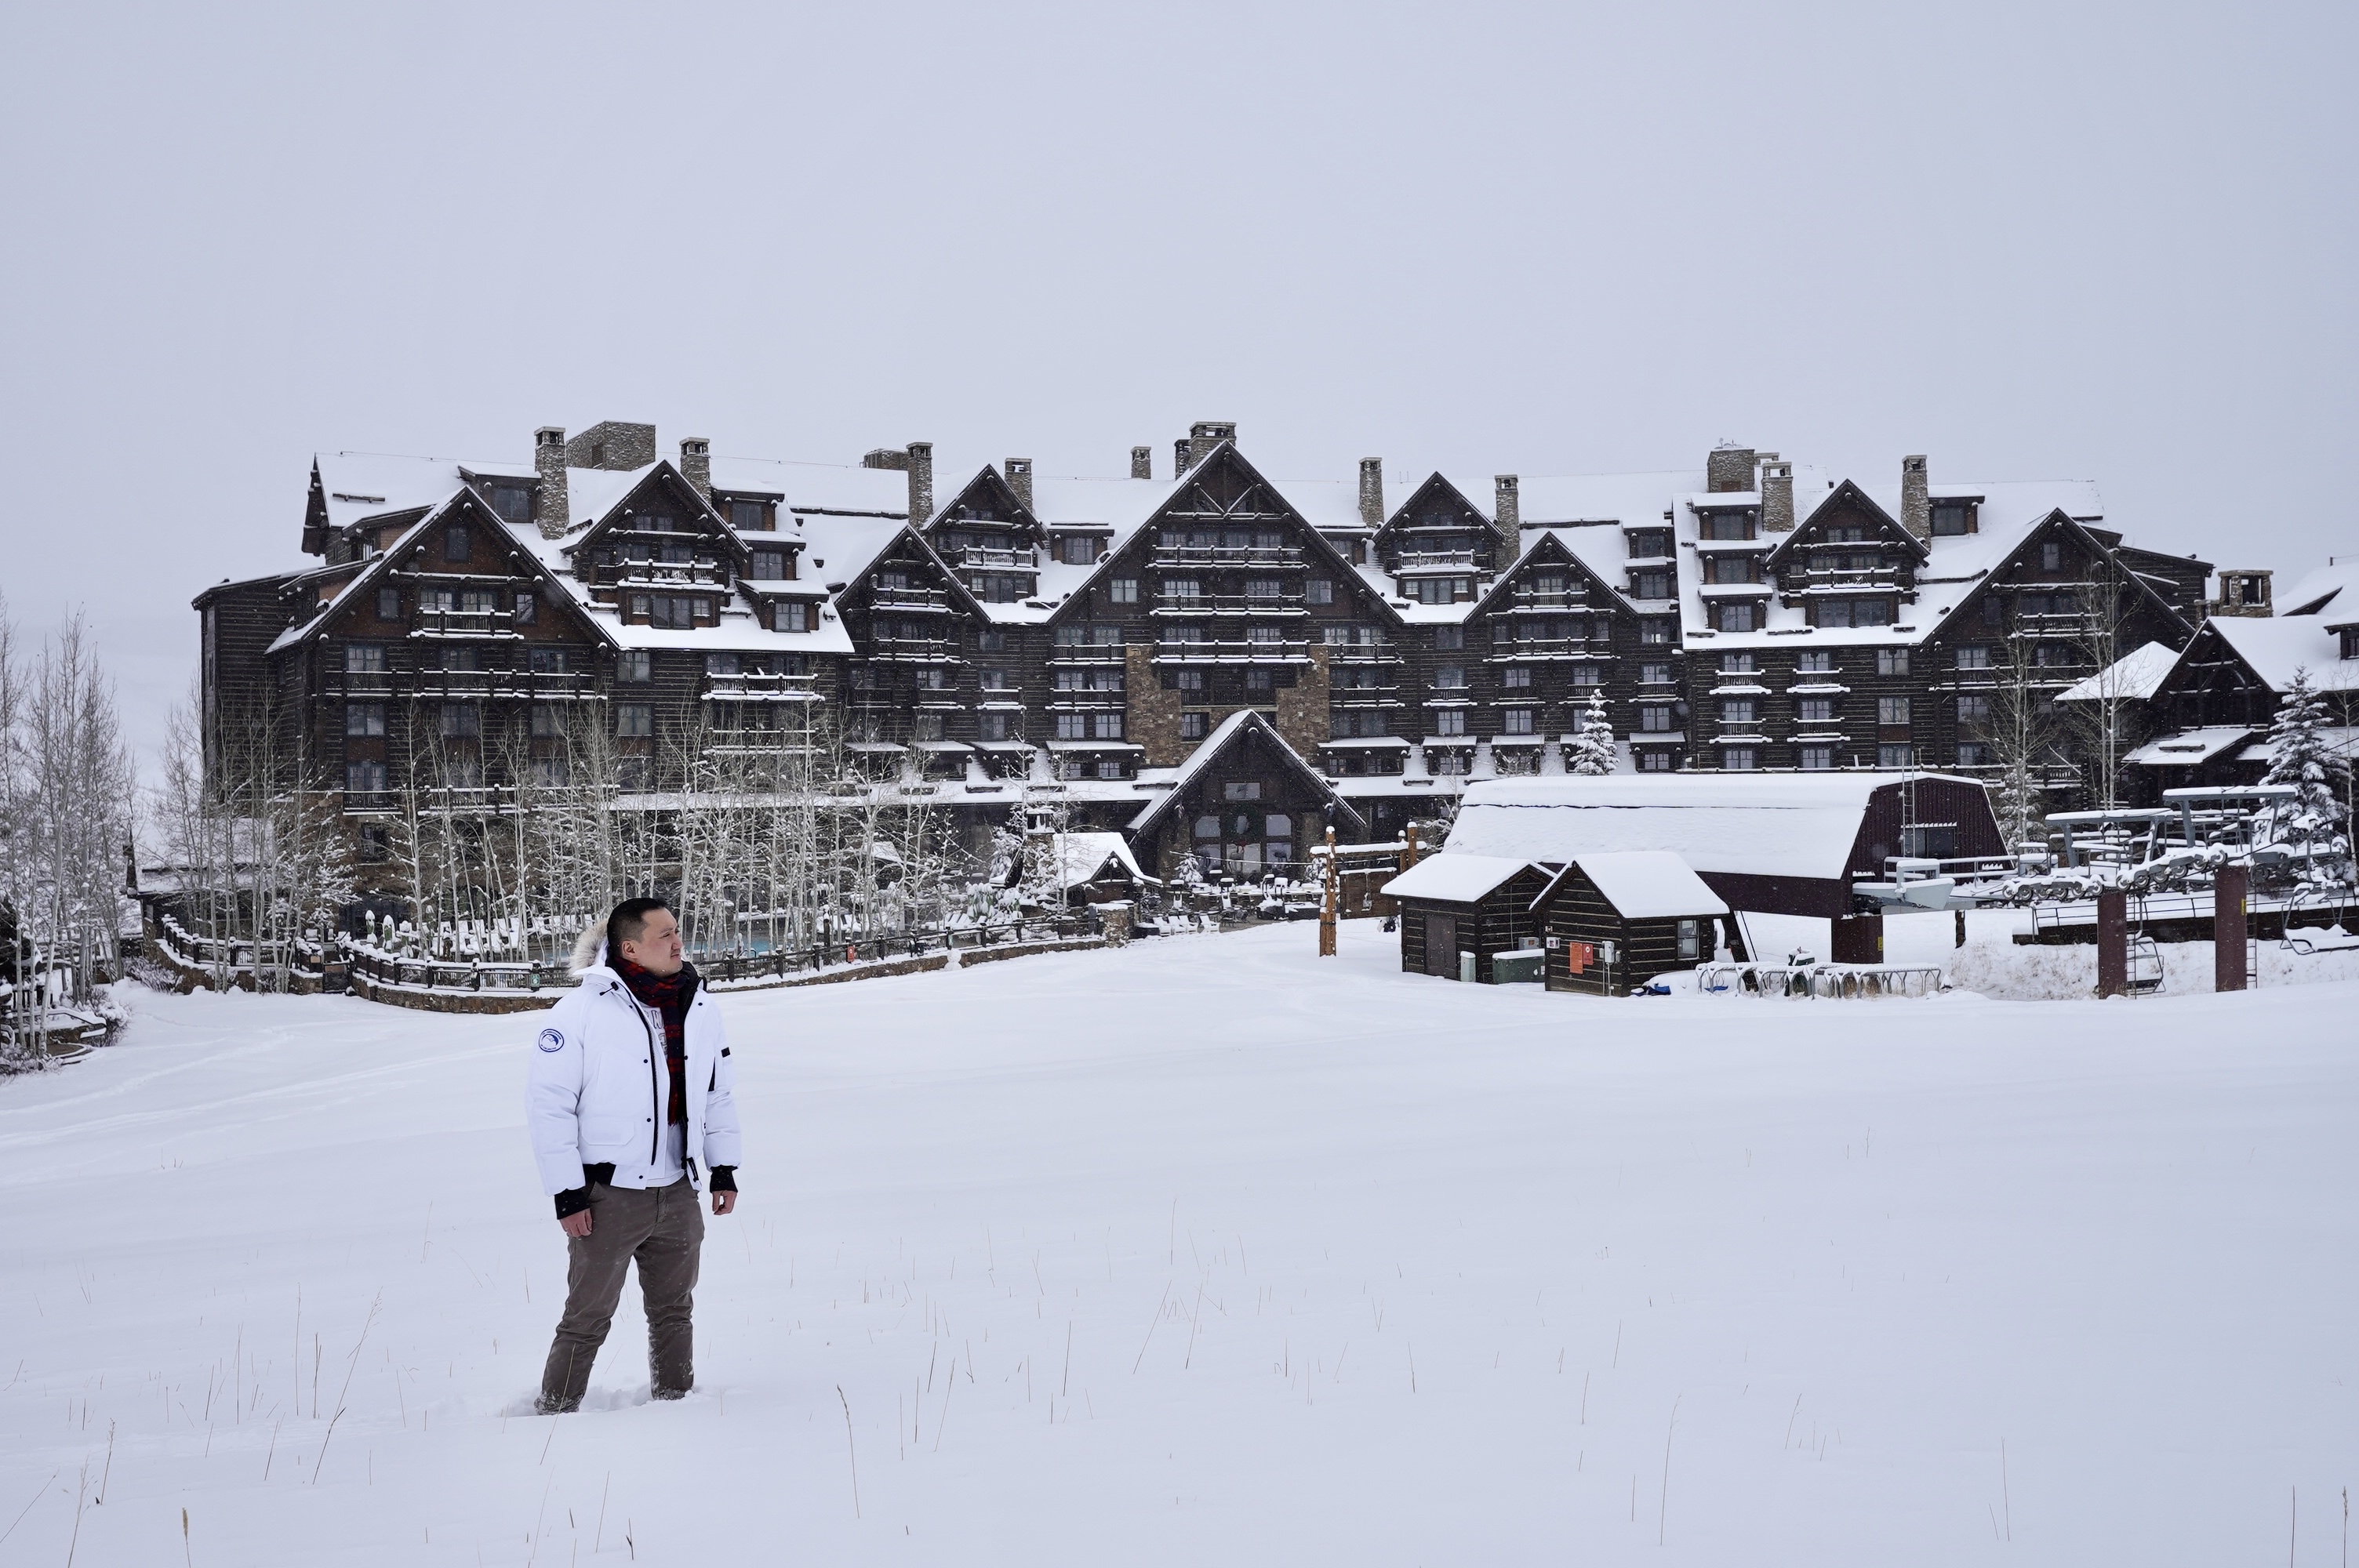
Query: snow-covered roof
x=841, y=548
x=1454, y=877
x=838, y=489
x=2136, y=675
x=1227, y=733
x=1644, y=885
x=2189, y=747
x=2276, y=646
x=1796, y=825
x=1085, y=855
x=358, y=486
x=2332, y=590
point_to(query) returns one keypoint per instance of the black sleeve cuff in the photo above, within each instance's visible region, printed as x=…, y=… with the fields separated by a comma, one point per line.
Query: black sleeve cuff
x=573, y=1202
x=724, y=1178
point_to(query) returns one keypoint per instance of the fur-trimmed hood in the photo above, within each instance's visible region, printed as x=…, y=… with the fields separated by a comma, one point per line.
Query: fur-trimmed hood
x=590, y=948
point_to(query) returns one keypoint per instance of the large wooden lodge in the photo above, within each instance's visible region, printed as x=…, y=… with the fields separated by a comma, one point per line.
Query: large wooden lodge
x=1213, y=663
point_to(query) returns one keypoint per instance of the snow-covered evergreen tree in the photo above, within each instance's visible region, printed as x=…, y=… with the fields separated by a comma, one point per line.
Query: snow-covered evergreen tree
x=2310, y=823
x=1591, y=752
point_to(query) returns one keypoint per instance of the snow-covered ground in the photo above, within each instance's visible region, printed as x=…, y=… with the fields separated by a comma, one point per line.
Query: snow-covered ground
x=1208, y=1250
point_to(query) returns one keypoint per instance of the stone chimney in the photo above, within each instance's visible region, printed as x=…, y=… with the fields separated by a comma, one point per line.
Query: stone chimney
x=1372, y=491
x=1206, y=434
x=921, y=484
x=696, y=465
x=1506, y=505
x=551, y=512
x=1142, y=462
x=1728, y=468
x=1019, y=480
x=1180, y=462
x=1776, y=497
x=1916, y=498
x=891, y=458
x=615, y=444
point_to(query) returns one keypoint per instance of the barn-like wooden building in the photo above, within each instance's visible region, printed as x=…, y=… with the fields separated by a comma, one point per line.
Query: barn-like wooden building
x=1459, y=911
x=1613, y=919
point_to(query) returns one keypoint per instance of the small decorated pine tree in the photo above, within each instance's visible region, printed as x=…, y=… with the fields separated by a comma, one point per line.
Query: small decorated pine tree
x=1591, y=752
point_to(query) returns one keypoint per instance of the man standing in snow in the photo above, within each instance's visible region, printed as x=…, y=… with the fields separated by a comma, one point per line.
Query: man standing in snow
x=631, y=1085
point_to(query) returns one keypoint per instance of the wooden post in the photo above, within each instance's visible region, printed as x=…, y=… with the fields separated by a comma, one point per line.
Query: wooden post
x=2112, y=942
x=1408, y=847
x=2229, y=893
x=1328, y=911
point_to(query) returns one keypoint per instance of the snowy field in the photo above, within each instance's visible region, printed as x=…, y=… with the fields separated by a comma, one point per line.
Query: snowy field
x=1207, y=1250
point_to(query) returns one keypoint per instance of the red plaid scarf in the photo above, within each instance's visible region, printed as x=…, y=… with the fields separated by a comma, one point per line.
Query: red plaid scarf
x=668, y=995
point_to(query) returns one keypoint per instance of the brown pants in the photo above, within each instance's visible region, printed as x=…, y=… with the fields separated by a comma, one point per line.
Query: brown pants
x=663, y=1230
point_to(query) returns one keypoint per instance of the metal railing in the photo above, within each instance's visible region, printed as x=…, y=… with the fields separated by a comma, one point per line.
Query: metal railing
x=1824, y=982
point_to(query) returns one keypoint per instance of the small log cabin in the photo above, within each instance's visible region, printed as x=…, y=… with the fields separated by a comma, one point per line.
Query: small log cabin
x=1615, y=919
x=1479, y=905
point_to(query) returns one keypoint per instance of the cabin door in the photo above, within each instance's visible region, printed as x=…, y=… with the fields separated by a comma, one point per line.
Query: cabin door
x=1441, y=946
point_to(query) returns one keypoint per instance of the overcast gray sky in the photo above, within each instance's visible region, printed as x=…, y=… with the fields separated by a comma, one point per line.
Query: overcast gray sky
x=2048, y=241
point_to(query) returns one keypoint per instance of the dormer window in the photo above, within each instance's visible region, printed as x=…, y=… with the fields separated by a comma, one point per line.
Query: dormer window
x=1738, y=664
x=753, y=515
x=1650, y=544
x=769, y=566
x=513, y=502
x=1953, y=518
x=1077, y=550
x=1652, y=584
x=1725, y=525
x=2350, y=642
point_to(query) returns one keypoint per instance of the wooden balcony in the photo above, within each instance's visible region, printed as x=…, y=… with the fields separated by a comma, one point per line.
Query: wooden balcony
x=1287, y=651
x=884, y=596
x=758, y=688
x=469, y=623
x=978, y=558
x=1229, y=604
x=1216, y=557
x=915, y=650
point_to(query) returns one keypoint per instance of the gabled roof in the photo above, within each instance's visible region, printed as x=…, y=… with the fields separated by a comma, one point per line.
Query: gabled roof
x=1087, y=855
x=2055, y=517
x=1544, y=548
x=1232, y=731
x=989, y=481
x=1455, y=876
x=1402, y=516
x=2275, y=647
x=597, y=498
x=1845, y=494
x=2136, y=675
x=1641, y=884
x=2331, y=590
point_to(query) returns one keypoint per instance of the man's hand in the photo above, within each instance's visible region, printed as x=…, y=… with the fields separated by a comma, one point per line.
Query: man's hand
x=723, y=1202
x=576, y=1224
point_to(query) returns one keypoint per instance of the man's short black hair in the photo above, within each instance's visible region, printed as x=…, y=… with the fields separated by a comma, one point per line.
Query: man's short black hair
x=629, y=923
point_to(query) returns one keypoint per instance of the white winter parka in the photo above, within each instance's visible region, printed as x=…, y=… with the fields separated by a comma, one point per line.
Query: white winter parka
x=598, y=1086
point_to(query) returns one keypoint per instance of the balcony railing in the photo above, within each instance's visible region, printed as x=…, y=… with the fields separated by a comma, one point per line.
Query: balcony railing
x=1829, y=579
x=979, y=556
x=1086, y=654
x=1362, y=653
x=643, y=574
x=1229, y=604
x=463, y=623
x=915, y=650
x=1434, y=560
x=1537, y=598
x=757, y=688
x=886, y=596
x=1291, y=651
x=1551, y=648
x=1227, y=556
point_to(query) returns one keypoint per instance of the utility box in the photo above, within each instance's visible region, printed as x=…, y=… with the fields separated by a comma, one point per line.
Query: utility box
x=1521, y=966
x=1466, y=967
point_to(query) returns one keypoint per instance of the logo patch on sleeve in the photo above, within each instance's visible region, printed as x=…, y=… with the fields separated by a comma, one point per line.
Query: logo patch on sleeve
x=551, y=1040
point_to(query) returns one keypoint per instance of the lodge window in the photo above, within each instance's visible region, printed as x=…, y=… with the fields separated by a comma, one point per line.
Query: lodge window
x=1855, y=613
x=1652, y=631
x=1590, y=675
x=636, y=664
x=1080, y=549
x=1738, y=664
x=1319, y=590
x=1974, y=712
x=634, y=772
x=721, y=664
x=991, y=680
x=1896, y=756
x=1650, y=585
x=1816, y=711
x=1265, y=634
x=1182, y=587
x=1949, y=519
x=791, y=615
x=376, y=842
x=1260, y=680
x=991, y=639
x=1450, y=721
x=513, y=502
x=460, y=721
x=1649, y=544
x=1265, y=588
x=1690, y=941
x=1105, y=726
x=769, y=566
x=1648, y=674
x=1070, y=727
x=549, y=773
x=364, y=777
x=456, y=543
x=1192, y=726
x=1725, y=525
x=547, y=721
x=635, y=718
x=364, y=658
x=1654, y=718
x=388, y=604
x=1736, y=711
x=654, y=522
x=1446, y=639
x=1122, y=590
x=1449, y=677
x=937, y=679
x=1516, y=721
x=2051, y=557
x=1814, y=663
x=749, y=515
x=1892, y=710
x=992, y=726
x=1731, y=569
x=929, y=727
x=1655, y=761
x=1738, y=759
x=365, y=719
x=1190, y=680
x=1975, y=656
x=1974, y=754
x=1736, y=618
x=1518, y=675
x=458, y=660
x=1892, y=661
x=2351, y=642
x=528, y=608
x=1815, y=759
x=1240, y=789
